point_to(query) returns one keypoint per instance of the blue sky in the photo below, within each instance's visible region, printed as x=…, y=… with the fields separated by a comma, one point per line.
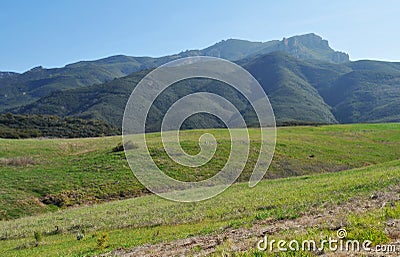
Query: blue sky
x=55, y=33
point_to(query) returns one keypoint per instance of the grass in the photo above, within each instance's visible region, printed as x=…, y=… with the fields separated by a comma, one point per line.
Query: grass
x=150, y=219
x=41, y=177
x=69, y=172
x=365, y=226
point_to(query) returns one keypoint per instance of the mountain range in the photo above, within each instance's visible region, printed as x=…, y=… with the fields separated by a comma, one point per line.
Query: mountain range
x=305, y=80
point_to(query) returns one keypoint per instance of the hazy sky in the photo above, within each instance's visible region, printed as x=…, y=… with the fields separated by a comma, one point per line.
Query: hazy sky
x=54, y=33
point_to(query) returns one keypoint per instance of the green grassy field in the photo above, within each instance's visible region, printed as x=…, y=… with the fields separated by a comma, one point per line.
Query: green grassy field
x=150, y=219
x=70, y=172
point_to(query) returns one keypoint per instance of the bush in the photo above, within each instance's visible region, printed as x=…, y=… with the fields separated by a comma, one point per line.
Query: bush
x=38, y=237
x=120, y=147
x=102, y=241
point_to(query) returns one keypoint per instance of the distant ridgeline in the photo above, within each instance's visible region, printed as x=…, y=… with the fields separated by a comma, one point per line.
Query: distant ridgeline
x=306, y=81
x=26, y=126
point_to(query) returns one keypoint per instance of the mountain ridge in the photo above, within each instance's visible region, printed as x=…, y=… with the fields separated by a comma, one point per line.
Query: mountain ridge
x=305, y=84
x=27, y=87
x=300, y=91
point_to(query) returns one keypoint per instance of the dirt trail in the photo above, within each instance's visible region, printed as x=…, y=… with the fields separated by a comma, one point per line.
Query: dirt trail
x=243, y=239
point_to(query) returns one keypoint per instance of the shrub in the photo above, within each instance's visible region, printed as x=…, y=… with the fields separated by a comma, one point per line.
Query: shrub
x=102, y=241
x=120, y=147
x=38, y=237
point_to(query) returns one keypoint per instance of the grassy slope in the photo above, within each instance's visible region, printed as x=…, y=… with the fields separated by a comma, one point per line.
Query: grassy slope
x=150, y=219
x=78, y=171
x=86, y=168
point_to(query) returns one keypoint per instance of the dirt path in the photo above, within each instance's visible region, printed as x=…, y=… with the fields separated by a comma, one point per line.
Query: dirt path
x=243, y=239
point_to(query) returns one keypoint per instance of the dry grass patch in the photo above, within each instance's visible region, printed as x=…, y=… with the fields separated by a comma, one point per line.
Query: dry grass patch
x=18, y=161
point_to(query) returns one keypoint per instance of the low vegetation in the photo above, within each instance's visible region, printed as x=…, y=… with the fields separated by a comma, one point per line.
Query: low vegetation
x=31, y=126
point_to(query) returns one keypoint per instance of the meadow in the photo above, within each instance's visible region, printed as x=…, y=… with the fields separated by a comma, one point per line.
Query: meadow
x=56, y=191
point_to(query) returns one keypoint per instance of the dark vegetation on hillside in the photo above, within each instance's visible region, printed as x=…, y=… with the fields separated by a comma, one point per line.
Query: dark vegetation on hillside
x=27, y=126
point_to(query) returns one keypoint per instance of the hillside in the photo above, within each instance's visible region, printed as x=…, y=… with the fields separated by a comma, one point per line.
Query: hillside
x=84, y=171
x=300, y=91
x=292, y=96
x=87, y=171
x=306, y=81
x=370, y=93
x=106, y=101
x=27, y=126
x=353, y=92
x=39, y=82
x=25, y=88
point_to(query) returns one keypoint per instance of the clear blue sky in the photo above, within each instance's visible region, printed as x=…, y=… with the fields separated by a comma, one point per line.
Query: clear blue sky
x=54, y=33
